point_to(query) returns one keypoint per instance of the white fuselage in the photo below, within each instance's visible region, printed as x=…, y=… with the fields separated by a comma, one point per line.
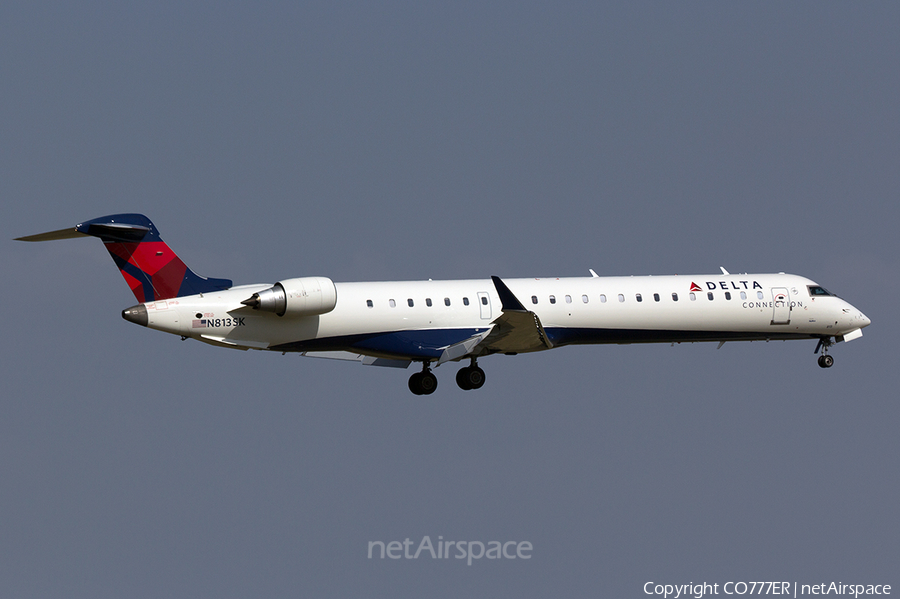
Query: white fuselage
x=417, y=320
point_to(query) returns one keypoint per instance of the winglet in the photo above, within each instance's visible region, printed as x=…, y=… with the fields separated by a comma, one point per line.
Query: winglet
x=509, y=301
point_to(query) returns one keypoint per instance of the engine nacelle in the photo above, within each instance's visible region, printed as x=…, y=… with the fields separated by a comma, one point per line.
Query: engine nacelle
x=305, y=296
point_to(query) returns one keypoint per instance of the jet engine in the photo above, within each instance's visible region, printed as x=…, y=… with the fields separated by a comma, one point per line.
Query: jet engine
x=305, y=296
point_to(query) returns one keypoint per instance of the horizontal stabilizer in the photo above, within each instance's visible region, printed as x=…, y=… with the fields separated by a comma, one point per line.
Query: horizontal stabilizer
x=125, y=233
x=69, y=233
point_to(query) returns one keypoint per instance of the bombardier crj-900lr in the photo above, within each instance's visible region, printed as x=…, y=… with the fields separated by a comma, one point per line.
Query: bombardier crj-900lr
x=432, y=322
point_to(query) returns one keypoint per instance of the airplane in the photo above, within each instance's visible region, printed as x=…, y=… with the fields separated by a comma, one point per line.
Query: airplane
x=396, y=323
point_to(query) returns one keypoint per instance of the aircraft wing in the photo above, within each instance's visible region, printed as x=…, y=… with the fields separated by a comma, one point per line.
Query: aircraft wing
x=516, y=329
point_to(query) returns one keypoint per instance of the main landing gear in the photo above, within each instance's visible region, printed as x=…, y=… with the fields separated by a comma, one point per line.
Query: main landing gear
x=825, y=360
x=423, y=383
x=468, y=378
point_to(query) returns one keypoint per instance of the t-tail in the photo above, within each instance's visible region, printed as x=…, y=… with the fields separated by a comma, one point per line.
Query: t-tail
x=151, y=269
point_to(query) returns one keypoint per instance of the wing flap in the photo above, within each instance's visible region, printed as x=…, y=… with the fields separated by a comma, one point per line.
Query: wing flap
x=364, y=360
x=463, y=348
x=515, y=332
x=234, y=343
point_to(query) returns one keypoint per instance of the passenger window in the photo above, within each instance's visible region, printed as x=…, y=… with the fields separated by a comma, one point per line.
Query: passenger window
x=638, y=297
x=446, y=301
x=568, y=299
x=428, y=301
x=484, y=300
x=584, y=298
x=369, y=303
x=655, y=297
x=392, y=303
x=621, y=297
x=728, y=295
x=709, y=295
x=465, y=301
x=759, y=295
x=743, y=295
x=410, y=302
x=693, y=296
x=552, y=299
x=602, y=298
x=674, y=297
x=533, y=299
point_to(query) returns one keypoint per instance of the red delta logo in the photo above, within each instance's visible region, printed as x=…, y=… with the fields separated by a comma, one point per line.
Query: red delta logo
x=695, y=287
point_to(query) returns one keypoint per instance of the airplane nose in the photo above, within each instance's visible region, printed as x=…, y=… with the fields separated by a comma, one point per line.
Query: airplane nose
x=864, y=320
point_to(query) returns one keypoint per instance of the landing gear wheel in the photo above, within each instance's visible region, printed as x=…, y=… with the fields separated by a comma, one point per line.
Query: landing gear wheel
x=470, y=377
x=415, y=384
x=427, y=383
x=826, y=361
x=423, y=383
x=462, y=379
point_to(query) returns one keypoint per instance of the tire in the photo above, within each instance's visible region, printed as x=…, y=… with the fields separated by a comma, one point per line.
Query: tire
x=415, y=383
x=826, y=361
x=462, y=379
x=476, y=377
x=427, y=383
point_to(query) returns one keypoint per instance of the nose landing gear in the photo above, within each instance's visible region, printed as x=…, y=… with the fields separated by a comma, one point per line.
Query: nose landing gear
x=825, y=360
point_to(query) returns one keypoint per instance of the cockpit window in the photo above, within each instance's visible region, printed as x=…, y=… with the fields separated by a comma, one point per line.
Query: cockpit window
x=816, y=291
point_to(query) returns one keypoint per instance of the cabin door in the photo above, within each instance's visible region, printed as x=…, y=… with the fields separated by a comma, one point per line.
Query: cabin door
x=484, y=303
x=781, y=302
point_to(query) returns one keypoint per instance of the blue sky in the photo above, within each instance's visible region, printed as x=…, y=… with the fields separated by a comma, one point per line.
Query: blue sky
x=390, y=141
